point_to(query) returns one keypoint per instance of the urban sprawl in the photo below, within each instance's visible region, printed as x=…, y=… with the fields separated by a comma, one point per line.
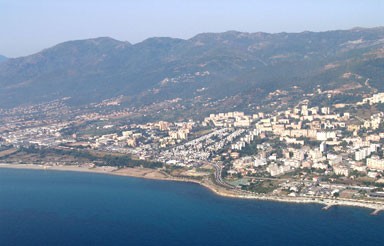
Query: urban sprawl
x=304, y=151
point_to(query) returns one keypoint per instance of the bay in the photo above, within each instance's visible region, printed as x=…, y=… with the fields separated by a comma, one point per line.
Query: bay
x=67, y=208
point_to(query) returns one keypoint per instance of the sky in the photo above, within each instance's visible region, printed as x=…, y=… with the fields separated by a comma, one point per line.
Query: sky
x=28, y=26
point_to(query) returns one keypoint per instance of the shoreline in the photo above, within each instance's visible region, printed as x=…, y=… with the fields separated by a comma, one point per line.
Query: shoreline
x=153, y=174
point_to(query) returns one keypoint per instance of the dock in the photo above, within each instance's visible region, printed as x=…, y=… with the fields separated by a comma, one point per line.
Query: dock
x=376, y=212
x=328, y=206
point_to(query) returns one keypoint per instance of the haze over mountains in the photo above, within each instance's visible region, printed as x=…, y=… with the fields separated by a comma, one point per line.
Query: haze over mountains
x=211, y=65
x=2, y=58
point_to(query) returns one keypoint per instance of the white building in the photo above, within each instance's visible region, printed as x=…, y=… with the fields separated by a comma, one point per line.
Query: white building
x=375, y=163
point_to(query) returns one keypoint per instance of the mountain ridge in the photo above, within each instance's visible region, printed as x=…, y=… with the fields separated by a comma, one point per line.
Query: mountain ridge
x=162, y=68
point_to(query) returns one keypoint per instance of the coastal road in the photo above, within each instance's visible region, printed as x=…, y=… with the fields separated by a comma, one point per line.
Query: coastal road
x=218, y=176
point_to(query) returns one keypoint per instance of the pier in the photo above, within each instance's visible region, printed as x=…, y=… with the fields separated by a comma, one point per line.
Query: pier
x=376, y=212
x=328, y=206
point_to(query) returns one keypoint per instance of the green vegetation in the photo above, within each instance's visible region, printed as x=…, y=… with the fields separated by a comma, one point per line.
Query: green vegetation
x=126, y=161
x=250, y=149
x=232, y=72
x=262, y=187
x=99, y=160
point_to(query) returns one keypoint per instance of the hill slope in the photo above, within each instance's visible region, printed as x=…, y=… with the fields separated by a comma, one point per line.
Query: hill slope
x=211, y=65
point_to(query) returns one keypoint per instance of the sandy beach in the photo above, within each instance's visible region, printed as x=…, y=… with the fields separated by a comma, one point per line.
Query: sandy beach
x=146, y=173
x=131, y=172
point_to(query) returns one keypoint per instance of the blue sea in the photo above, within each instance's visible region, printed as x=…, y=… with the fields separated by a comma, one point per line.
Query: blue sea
x=69, y=208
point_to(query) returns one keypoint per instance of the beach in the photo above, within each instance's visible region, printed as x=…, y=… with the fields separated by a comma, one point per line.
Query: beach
x=147, y=173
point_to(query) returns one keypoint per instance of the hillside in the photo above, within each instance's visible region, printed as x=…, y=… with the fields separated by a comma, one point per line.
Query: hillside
x=209, y=65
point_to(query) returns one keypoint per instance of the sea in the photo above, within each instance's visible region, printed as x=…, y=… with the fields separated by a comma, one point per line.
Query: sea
x=40, y=207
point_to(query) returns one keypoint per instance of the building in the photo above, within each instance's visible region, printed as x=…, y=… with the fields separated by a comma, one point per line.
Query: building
x=298, y=154
x=243, y=162
x=334, y=159
x=362, y=154
x=376, y=98
x=341, y=170
x=325, y=110
x=375, y=163
x=275, y=170
x=325, y=135
x=323, y=147
x=260, y=162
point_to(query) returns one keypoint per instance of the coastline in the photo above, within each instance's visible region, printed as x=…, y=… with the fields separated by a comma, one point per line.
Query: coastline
x=376, y=206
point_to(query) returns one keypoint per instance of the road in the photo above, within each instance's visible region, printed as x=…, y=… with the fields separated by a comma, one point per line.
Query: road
x=370, y=87
x=218, y=176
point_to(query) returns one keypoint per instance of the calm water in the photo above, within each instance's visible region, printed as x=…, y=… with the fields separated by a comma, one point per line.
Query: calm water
x=68, y=208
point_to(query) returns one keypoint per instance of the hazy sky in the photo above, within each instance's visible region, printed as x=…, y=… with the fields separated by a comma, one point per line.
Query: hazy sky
x=28, y=26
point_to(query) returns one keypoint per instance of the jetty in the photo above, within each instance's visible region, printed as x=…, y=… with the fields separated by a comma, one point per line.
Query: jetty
x=376, y=212
x=328, y=206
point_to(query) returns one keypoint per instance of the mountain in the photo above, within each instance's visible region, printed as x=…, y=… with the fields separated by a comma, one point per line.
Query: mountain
x=3, y=58
x=209, y=65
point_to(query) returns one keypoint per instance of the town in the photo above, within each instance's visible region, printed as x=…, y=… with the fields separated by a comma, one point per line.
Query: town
x=302, y=151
